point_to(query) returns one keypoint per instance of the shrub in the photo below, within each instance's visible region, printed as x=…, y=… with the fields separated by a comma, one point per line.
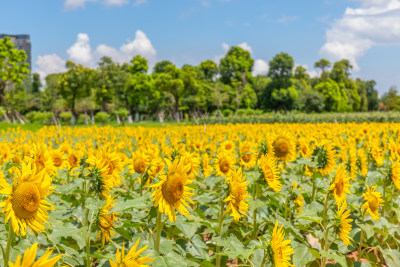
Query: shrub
x=102, y=117
x=66, y=117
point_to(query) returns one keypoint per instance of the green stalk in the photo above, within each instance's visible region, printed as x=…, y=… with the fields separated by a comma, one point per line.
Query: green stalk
x=255, y=228
x=221, y=221
x=361, y=239
x=158, y=231
x=88, y=259
x=384, y=196
x=325, y=246
x=314, y=189
x=9, y=241
x=325, y=207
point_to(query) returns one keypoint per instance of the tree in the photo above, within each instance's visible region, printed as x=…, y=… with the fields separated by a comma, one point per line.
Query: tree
x=13, y=70
x=74, y=84
x=314, y=102
x=235, y=69
x=331, y=92
x=36, y=83
x=209, y=69
x=160, y=67
x=372, y=95
x=391, y=99
x=362, y=92
x=219, y=95
x=323, y=64
x=300, y=73
x=50, y=95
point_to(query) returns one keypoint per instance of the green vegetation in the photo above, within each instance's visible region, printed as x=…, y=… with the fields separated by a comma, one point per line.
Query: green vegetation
x=123, y=93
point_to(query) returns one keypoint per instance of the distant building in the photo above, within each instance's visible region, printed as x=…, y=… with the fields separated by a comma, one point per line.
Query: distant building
x=21, y=41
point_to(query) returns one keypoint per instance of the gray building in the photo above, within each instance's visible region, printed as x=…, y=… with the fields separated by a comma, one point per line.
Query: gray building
x=21, y=41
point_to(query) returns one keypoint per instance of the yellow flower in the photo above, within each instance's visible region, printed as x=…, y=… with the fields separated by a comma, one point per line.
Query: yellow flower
x=29, y=258
x=281, y=248
x=43, y=159
x=107, y=220
x=58, y=158
x=305, y=149
x=207, y=169
x=171, y=192
x=377, y=154
x=238, y=195
x=340, y=186
x=248, y=155
x=193, y=161
x=228, y=146
x=156, y=166
x=373, y=201
x=344, y=224
x=299, y=201
x=139, y=162
x=26, y=204
x=131, y=259
x=324, y=156
x=270, y=172
x=395, y=173
x=363, y=162
x=284, y=147
x=225, y=164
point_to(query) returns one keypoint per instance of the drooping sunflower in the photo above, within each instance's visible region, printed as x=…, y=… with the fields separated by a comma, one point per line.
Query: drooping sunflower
x=395, y=173
x=269, y=170
x=238, y=195
x=340, y=185
x=284, y=147
x=172, y=191
x=343, y=223
x=281, y=249
x=299, y=201
x=107, y=220
x=248, y=155
x=193, y=161
x=324, y=156
x=373, y=201
x=224, y=164
x=139, y=162
x=131, y=259
x=43, y=160
x=26, y=204
x=29, y=258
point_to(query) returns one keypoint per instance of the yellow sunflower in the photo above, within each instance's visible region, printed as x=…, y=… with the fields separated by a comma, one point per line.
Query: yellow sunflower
x=29, y=258
x=131, y=259
x=373, y=201
x=156, y=166
x=228, y=146
x=269, y=170
x=139, y=162
x=193, y=161
x=42, y=159
x=395, y=173
x=238, y=195
x=248, y=156
x=26, y=204
x=324, y=156
x=225, y=164
x=58, y=158
x=299, y=201
x=284, y=147
x=281, y=248
x=363, y=160
x=171, y=192
x=377, y=154
x=343, y=222
x=205, y=163
x=340, y=186
x=305, y=149
x=107, y=220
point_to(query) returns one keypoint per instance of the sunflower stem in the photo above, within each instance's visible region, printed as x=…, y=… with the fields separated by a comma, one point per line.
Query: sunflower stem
x=361, y=239
x=158, y=231
x=88, y=259
x=255, y=228
x=384, y=195
x=325, y=207
x=221, y=221
x=314, y=189
x=9, y=241
x=325, y=246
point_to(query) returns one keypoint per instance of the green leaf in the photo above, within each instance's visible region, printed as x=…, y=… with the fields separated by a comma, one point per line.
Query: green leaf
x=138, y=203
x=187, y=228
x=302, y=255
x=338, y=258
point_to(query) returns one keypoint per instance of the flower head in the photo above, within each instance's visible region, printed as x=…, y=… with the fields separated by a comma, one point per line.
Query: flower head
x=269, y=170
x=29, y=258
x=343, y=223
x=373, y=201
x=281, y=248
x=107, y=220
x=238, y=195
x=340, y=186
x=131, y=259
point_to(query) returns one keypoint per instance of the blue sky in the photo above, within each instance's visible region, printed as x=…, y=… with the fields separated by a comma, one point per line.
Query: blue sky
x=188, y=31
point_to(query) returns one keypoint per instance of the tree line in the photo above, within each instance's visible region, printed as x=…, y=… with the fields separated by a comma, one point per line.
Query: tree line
x=130, y=91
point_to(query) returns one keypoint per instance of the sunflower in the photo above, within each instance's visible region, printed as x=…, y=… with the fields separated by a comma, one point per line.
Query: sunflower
x=205, y=164
x=248, y=155
x=228, y=146
x=26, y=204
x=101, y=182
x=373, y=201
x=5, y=153
x=284, y=147
x=73, y=159
x=305, y=149
x=395, y=173
x=114, y=164
x=269, y=170
x=43, y=160
x=171, y=192
x=377, y=154
x=29, y=258
x=351, y=163
x=324, y=156
x=225, y=164
x=58, y=158
x=107, y=220
x=299, y=201
x=238, y=195
x=131, y=259
x=139, y=162
x=341, y=185
x=363, y=161
x=193, y=161
x=281, y=249
x=343, y=221
x=156, y=166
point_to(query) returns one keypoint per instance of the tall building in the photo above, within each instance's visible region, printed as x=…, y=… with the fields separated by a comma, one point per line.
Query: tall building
x=21, y=41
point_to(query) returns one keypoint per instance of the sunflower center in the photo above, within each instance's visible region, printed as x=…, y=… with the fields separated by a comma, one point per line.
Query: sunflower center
x=25, y=200
x=281, y=147
x=237, y=193
x=139, y=166
x=228, y=147
x=73, y=161
x=339, y=187
x=373, y=202
x=107, y=221
x=224, y=166
x=246, y=157
x=57, y=161
x=173, y=188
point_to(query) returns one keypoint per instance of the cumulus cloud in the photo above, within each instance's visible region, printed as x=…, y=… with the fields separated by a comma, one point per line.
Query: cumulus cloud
x=246, y=47
x=116, y=2
x=260, y=67
x=48, y=64
x=140, y=2
x=76, y=4
x=80, y=51
x=375, y=23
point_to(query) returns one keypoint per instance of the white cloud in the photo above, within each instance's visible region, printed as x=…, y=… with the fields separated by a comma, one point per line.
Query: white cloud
x=246, y=47
x=116, y=2
x=225, y=47
x=140, y=2
x=80, y=51
x=74, y=4
x=260, y=67
x=48, y=64
x=375, y=23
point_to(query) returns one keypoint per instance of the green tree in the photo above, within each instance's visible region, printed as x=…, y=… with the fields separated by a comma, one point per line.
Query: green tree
x=331, y=92
x=391, y=99
x=323, y=64
x=362, y=92
x=160, y=67
x=36, y=83
x=372, y=95
x=74, y=84
x=49, y=96
x=300, y=73
x=314, y=102
x=208, y=69
x=235, y=69
x=13, y=70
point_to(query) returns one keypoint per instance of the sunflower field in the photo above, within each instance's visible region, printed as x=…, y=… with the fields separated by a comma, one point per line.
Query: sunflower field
x=255, y=195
